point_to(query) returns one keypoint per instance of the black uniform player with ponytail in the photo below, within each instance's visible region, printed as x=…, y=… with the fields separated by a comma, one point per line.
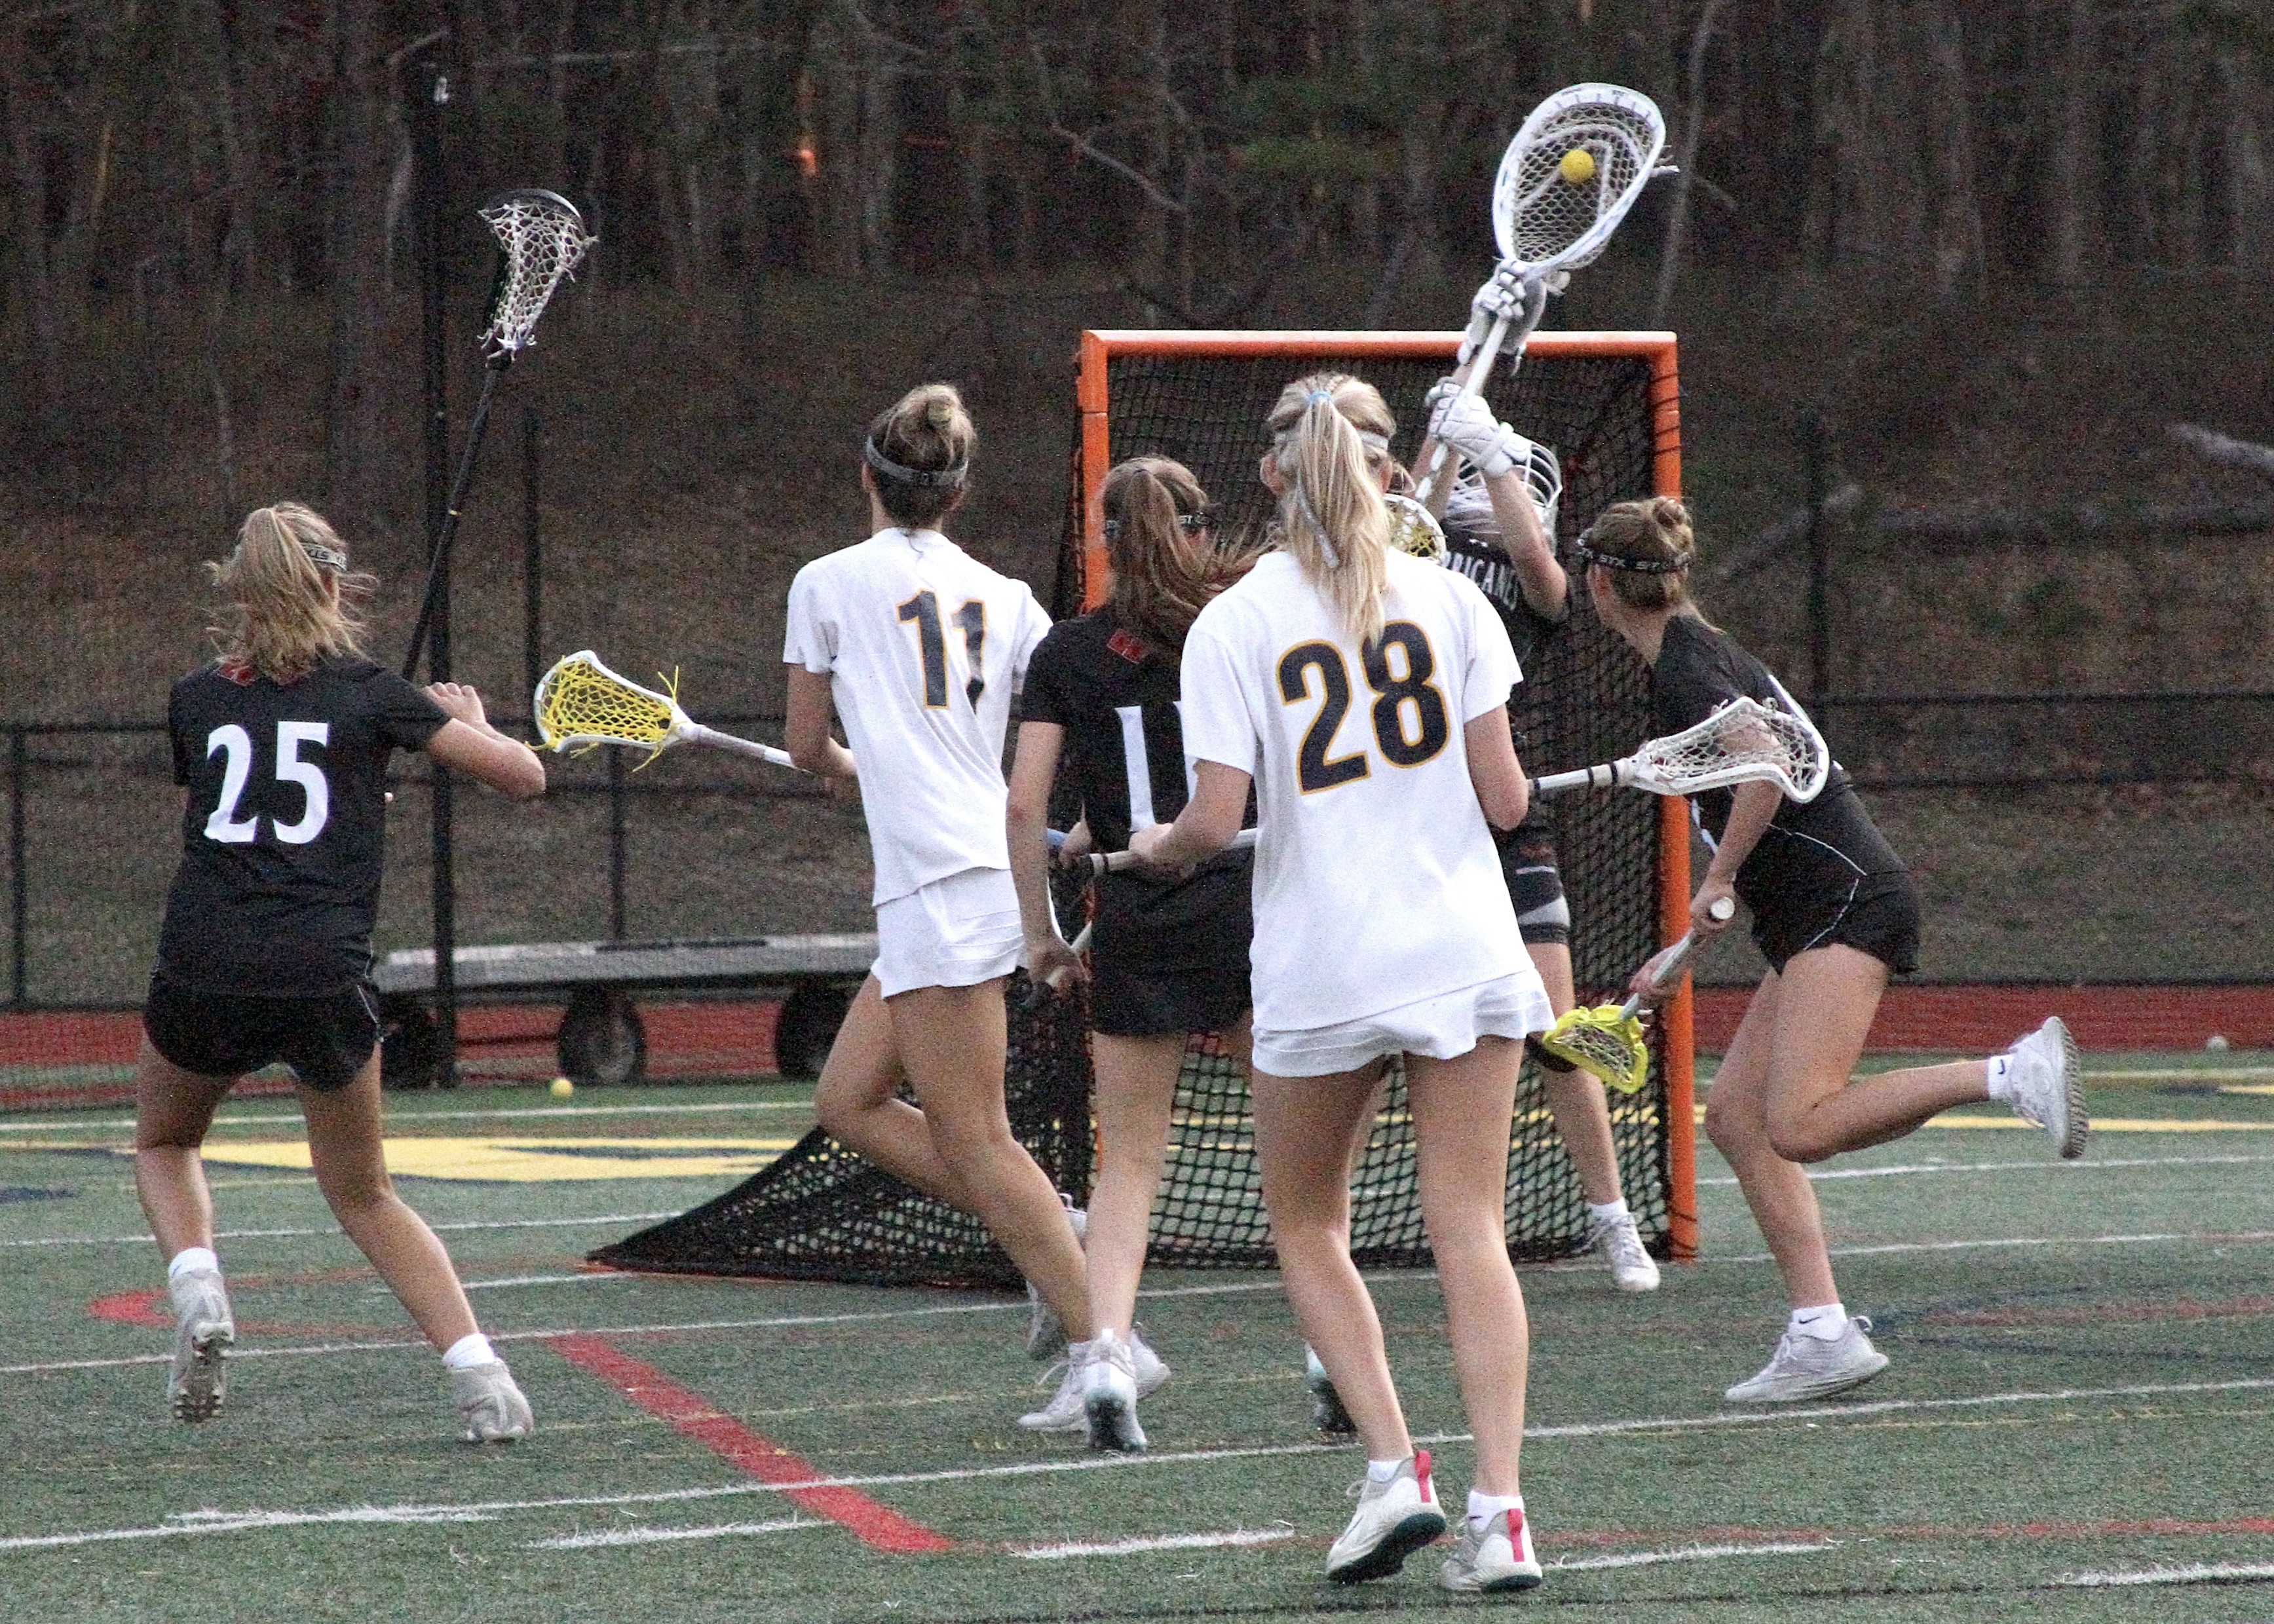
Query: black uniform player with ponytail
x=265, y=954
x=1170, y=954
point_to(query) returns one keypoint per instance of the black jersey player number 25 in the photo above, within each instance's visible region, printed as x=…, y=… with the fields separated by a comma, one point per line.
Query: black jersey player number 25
x=289, y=766
x=1428, y=722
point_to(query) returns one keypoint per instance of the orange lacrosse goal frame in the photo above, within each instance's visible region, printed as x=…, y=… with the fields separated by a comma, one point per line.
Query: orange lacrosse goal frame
x=1095, y=452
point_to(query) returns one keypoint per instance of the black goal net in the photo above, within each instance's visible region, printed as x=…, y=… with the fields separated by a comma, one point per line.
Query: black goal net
x=820, y=1213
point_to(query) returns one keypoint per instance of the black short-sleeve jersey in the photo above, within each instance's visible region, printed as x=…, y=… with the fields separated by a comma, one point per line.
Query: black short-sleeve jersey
x=1484, y=561
x=1700, y=669
x=284, y=833
x=1124, y=748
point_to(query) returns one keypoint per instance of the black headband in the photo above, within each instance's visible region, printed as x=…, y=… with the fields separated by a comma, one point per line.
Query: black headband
x=890, y=469
x=325, y=558
x=1588, y=555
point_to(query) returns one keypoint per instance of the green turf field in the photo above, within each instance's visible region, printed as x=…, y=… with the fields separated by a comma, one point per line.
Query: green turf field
x=2081, y=1386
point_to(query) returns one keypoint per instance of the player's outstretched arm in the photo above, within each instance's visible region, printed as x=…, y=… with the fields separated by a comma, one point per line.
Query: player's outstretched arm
x=1206, y=824
x=1494, y=769
x=467, y=743
x=805, y=730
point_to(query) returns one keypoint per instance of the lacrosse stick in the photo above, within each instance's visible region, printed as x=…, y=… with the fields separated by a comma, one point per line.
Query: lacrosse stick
x=1413, y=529
x=1114, y=862
x=1742, y=742
x=581, y=701
x=1566, y=181
x=1607, y=1041
x=540, y=238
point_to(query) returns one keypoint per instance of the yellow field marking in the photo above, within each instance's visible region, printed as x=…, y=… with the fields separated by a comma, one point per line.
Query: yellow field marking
x=2100, y=1124
x=2222, y=1075
x=526, y=1161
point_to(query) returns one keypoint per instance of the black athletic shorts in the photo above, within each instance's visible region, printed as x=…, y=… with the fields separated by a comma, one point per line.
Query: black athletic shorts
x=1527, y=861
x=1875, y=914
x=326, y=1039
x=1172, y=958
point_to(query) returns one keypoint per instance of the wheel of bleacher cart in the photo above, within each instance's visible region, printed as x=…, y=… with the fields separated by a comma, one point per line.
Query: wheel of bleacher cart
x=810, y=1019
x=602, y=1042
x=408, y=1048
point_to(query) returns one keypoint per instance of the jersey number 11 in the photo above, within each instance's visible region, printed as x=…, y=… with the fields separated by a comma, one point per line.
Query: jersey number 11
x=931, y=645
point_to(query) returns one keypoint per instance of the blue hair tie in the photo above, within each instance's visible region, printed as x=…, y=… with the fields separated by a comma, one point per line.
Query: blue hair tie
x=1321, y=394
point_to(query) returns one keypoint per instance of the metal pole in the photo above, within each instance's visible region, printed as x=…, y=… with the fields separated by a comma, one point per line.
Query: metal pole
x=1819, y=562
x=616, y=931
x=431, y=88
x=19, y=893
x=533, y=558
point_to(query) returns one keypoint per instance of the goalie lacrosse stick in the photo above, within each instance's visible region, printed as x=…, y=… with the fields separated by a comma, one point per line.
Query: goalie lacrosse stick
x=1742, y=742
x=581, y=701
x=1566, y=181
x=540, y=239
x=1607, y=1041
x=1413, y=529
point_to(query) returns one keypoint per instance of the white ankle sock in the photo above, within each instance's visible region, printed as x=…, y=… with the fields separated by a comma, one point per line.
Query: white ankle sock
x=1382, y=1472
x=1484, y=1507
x=1827, y=1321
x=1609, y=1212
x=2001, y=1077
x=469, y=1349
x=189, y=1261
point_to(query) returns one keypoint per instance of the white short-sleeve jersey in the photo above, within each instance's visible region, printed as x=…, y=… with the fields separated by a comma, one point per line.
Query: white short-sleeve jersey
x=1376, y=880
x=925, y=648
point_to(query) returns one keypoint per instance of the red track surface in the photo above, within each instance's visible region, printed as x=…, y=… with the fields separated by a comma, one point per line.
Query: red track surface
x=1983, y=1019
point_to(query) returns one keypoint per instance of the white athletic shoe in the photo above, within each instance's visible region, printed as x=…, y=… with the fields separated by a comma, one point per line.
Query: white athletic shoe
x=1498, y=1557
x=1620, y=1243
x=2048, y=1086
x=1066, y=1412
x=1327, y=1412
x=1109, y=1395
x=1046, y=1338
x=490, y=1404
x=203, y=1333
x=1393, y=1521
x=1805, y=1367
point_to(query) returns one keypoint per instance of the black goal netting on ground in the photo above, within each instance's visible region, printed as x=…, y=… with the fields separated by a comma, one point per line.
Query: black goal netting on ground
x=821, y=1212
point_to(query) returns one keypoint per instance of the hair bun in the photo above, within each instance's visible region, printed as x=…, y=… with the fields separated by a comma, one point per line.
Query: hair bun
x=939, y=411
x=1668, y=512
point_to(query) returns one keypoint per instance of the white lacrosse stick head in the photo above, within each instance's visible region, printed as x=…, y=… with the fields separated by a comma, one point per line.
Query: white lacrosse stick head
x=540, y=237
x=580, y=701
x=1742, y=742
x=1548, y=223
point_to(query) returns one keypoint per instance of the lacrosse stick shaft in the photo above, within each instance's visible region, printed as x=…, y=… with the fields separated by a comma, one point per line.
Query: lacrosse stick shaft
x=1114, y=862
x=1472, y=382
x=696, y=734
x=1670, y=972
x=438, y=566
x=1611, y=775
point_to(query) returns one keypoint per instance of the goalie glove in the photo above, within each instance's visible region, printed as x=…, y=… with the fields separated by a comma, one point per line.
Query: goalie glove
x=1501, y=296
x=1467, y=424
x=1468, y=507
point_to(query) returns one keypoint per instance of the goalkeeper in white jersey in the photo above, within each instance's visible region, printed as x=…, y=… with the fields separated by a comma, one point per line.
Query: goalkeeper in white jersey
x=1363, y=694
x=919, y=648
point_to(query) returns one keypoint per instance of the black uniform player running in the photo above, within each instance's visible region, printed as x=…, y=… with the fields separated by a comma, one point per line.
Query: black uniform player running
x=1170, y=954
x=265, y=949
x=1834, y=912
x=1499, y=524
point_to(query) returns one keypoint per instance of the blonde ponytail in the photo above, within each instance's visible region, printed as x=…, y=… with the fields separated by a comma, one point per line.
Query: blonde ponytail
x=1330, y=437
x=288, y=596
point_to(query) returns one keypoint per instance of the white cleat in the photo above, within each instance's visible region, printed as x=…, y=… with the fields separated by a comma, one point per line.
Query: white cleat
x=1109, y=1395
x=1805, y=1367
x=1046, y=1338
x=1150, y=1368
x=1496, y=1558
x=1393, y=1521
x=1620, y=1244
x=490, y=1404
x=203, y=1333
x=2049, y=1085
x=1066, y=1412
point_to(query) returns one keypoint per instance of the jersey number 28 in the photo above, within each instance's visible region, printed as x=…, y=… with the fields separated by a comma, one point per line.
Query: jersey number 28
x=1407, y=738
x=225, y=826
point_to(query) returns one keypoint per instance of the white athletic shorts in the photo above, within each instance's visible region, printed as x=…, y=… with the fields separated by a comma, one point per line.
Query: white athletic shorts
x=955, y=932
x=1442, y=1027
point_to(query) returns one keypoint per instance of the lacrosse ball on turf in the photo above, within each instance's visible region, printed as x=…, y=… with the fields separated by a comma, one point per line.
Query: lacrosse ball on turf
x=2215, y=1042
x=562, y=1088
x=1578, y=166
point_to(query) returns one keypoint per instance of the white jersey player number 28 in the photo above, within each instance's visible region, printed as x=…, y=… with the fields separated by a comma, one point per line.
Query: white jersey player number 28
x=225, y=826
x=1406, y=737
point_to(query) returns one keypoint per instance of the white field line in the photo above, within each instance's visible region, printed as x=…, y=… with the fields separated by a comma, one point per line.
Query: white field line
x=1159, y=1541
x=221, y=1522
x=2200, y=1573
x=1687, y=1554
x=604, y=1537
x=265, y=1235
x=2006, y=1167
x=293, y=1118
x=584, y=1278
x=2159, y=1237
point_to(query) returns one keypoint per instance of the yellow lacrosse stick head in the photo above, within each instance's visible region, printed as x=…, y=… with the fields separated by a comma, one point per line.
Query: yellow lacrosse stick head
x=581, y=701
x=1605, y=1042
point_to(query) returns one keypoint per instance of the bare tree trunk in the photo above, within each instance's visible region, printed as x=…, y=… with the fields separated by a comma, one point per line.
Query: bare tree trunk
x=354, y=439
x=1957, y=214
x=2074, y=168
x=1677, y=209
x=2250, y=162
x=34, y=270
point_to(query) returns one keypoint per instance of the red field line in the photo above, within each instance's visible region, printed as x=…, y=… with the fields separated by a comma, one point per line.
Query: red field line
x=1983, y=1019
x=693, y=1416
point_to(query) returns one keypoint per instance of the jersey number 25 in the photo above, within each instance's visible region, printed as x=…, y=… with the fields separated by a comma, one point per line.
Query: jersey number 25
x=225, y=826
x=1429, y=725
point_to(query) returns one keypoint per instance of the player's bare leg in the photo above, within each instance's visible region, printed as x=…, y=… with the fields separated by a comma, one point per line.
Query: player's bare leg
x=951, y=1040
x=173, y=1111
x=1461, y=1110
x=1782, y=1201
x=1305, y=1127
x=856, y=1099
x=1136, y=1090
x=1583, y=1116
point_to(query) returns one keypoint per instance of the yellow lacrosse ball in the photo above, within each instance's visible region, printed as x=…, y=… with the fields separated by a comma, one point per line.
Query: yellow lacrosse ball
x=562, y=1088
x=1578, y=166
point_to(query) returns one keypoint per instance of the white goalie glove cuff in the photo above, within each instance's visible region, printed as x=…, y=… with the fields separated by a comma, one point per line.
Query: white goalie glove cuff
x=1467, y=424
